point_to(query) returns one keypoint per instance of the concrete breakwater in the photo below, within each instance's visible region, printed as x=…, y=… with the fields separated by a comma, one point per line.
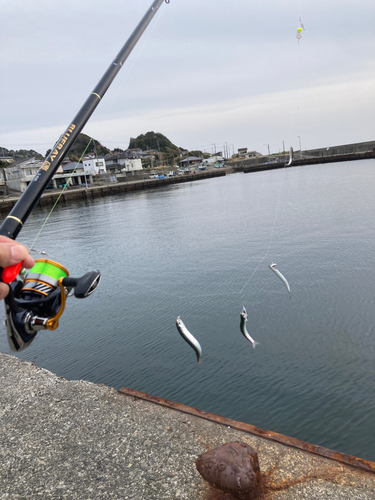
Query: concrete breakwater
x=311, y=160
x=345, y=152
x=51, y=196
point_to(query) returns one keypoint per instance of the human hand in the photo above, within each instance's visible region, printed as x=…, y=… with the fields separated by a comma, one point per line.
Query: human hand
x=11, y=253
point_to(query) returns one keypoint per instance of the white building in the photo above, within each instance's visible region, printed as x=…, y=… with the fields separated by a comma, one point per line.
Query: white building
x=94, y=165
x=213, y=159
x=132, y=165
x=121, y=162
x=22, y=173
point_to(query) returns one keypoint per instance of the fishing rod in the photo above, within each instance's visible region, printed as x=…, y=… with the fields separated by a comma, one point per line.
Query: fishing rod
x=37, y=299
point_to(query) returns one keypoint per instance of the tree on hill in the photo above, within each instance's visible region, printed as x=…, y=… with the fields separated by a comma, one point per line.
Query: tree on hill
x=199, y=154
x=82, y=142
x=21, y=154
x=157, y=142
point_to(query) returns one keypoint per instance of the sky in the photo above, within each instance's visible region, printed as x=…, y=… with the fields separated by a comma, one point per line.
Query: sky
x=205, y=72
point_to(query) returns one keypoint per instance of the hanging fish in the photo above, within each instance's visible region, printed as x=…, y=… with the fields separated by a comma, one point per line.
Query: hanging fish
x=41, y=252
x=190, y=339
x=278, y=273
x=243, y=328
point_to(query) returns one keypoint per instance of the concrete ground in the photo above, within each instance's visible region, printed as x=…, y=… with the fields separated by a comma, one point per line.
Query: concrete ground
x=64, y=439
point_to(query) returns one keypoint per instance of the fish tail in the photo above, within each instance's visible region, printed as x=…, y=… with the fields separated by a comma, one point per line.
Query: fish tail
x=255, y=343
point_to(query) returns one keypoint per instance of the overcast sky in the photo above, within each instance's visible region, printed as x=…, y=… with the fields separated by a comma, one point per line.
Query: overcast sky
x=205, y=72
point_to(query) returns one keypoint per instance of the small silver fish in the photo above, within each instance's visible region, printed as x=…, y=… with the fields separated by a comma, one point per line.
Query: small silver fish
x=290, y=157
x=278, y=273
x=190, y=339
x=243, y=328
x=38, y=251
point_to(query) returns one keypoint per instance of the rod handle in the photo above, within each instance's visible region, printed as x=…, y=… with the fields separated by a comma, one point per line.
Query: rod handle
x=10, y=273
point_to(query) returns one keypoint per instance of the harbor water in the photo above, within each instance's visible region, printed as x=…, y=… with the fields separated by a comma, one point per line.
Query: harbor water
x=201, y=251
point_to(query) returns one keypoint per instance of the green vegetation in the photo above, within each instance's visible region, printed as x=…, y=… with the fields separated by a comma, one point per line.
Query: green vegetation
x=163, y=150
x=198, y=154
x=20, y=154
x=157, y=142
x=79, y=148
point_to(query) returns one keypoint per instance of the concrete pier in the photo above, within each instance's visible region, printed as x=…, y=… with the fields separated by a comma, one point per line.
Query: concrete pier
x=76, y=440
x=299, y=159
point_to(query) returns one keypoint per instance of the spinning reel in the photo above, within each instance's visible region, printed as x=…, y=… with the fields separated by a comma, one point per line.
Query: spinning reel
x=37, y=299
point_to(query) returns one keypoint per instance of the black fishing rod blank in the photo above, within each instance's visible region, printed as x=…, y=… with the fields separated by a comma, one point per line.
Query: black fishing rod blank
x=36, y=300
x=13, y=223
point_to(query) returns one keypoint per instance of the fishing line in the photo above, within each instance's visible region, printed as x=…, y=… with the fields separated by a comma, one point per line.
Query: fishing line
x=111, y=104
x=58, y=198
x=282, y=183
x=271, y=236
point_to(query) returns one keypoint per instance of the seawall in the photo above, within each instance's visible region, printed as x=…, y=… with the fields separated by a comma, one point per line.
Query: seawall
x=78, y=193
x=299, y=162
x=345, y=152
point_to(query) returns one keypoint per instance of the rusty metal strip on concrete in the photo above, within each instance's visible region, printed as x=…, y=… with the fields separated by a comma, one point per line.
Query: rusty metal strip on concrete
x=349, y=460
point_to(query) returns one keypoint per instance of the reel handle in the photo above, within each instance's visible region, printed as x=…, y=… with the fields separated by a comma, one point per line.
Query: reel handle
x=83, y=286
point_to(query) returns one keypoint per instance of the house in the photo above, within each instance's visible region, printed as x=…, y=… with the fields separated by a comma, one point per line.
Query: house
x=73, y=174
x=94, y=165
x=190, y=160
x=6, y=159
x=132, y=165
x=123, y=162
x=20, y=174
x=214, y=159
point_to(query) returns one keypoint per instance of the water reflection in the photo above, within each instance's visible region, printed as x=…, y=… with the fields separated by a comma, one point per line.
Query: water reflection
x=189, y=250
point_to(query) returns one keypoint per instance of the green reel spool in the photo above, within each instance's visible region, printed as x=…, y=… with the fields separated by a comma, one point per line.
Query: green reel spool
x=43, y=278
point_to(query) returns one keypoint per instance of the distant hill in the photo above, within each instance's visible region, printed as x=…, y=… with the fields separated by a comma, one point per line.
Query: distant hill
x=20, y=154
x=156, y=141
x=149, y=141
x=75, y=152
x=79, y=148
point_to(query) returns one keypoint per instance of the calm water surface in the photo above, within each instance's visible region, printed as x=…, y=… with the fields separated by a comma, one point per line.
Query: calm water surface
x=201, y=251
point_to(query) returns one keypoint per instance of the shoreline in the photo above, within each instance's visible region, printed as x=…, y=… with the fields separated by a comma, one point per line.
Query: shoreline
x=246, y=166
x=51, y=196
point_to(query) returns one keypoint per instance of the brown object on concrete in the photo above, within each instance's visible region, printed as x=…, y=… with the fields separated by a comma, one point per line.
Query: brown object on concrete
x=233, y=468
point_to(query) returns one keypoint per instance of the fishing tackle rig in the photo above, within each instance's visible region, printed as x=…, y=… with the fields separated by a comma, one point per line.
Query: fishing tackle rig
x=37, y=299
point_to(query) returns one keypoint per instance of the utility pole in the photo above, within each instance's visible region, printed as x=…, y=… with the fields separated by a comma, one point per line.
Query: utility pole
x=160, y=162
x=300, y=149
x=269, y=154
